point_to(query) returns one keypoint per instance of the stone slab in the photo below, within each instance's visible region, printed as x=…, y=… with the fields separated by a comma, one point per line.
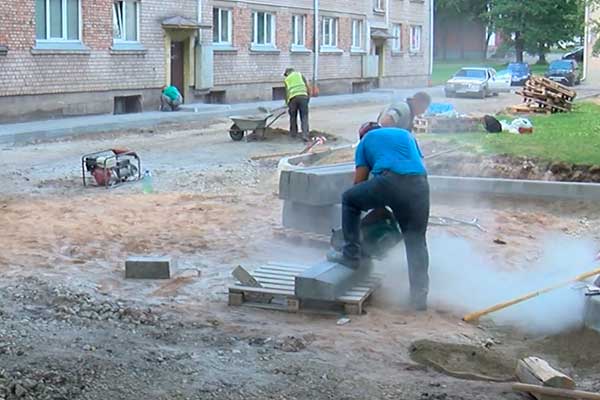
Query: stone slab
x=148, y=267
x=328, y=281
x=592, y=313
x=320, y=186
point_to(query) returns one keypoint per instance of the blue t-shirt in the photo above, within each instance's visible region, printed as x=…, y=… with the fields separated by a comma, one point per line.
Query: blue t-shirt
x=390, y=149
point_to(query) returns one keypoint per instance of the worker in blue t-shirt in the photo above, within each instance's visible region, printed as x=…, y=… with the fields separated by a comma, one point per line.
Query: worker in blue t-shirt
x=399, y=182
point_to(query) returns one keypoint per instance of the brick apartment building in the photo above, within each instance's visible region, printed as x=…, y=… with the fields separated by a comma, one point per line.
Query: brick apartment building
x=73, y=57
x=592, y=61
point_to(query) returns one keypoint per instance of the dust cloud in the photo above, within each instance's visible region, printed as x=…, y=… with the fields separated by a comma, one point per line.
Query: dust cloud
x=464, y=279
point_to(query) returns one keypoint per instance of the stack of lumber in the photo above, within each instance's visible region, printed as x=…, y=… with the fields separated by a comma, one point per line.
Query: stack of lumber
x=542, y=95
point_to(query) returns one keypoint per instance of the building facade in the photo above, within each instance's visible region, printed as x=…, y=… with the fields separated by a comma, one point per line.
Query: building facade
x=74, y=57
x=592, y=58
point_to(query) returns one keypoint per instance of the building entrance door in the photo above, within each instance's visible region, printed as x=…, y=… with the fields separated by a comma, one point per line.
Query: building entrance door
x=177, y=54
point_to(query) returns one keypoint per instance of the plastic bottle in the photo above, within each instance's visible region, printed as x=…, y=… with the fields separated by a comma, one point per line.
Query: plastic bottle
x=147, y=187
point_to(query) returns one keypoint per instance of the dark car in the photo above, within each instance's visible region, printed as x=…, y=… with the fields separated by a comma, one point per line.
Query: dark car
x=576, y=55
x=564, y=71
x=520, y=73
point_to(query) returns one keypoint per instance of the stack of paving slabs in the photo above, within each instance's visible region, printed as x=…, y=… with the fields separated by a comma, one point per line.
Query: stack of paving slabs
x=541, y=95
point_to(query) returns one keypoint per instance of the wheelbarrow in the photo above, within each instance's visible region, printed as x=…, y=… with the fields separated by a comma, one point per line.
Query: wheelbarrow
x=255, y=124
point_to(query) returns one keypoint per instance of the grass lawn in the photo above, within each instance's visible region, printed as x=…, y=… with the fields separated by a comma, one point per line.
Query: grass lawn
x=571, y=137
x=442, y=71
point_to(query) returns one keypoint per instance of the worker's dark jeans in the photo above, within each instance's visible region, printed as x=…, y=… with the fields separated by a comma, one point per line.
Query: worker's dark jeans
x=299, y=104
x=408, y=197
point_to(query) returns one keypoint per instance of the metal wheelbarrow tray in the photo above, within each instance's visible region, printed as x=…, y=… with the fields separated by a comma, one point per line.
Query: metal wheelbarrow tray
x=255, y=124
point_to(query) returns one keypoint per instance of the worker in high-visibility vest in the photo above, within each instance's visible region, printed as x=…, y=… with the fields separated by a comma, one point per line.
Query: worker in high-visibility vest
x=297, y=96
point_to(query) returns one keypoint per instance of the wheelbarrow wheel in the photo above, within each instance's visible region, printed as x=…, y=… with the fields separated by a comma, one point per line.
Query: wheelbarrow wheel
x=236, y=133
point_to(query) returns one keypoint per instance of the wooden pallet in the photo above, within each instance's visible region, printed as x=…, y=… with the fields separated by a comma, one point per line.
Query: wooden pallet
x=278, y=292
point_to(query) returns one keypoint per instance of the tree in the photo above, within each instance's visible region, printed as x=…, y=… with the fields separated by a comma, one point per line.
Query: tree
x=475, y=10
x=536, y=25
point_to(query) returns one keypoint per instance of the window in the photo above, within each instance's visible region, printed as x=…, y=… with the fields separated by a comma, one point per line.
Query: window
x=415, y=38
x=330, y=32
x=263, y=29
x=357, y=34
x=222, y=26
x=299, y=31
x=126, y=21
x=57, y=20
x=379, y=5
x=397, y=41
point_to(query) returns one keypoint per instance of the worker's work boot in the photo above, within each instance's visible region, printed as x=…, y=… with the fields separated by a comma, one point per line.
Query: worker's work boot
x=339, y=257
x=305, y=137
x=418, y=302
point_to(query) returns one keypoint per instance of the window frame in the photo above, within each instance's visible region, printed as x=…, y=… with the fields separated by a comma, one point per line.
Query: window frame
x=295, y=43
x=64, y=22
x=379, y=6
x=413, y=30
x=266, y=45
x=397, y=45
x=333, y=32
x=229, y=41
x=137, y=22
x=360, y=24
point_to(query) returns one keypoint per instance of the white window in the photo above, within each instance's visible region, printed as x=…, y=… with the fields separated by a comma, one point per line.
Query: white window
x=379, y=5
x=415, y=38
x=357, y=34
x=299, y=31
x=263, y=29
x=126, y=21
x=57, y=20
x=397, y=40
x=330, y=32
x=222, y=30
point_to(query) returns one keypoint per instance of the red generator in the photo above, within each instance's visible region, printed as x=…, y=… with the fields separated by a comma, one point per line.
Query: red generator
x=110, y=168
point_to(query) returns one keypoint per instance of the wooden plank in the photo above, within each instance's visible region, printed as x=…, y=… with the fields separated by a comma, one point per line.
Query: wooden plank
x=249, y=289
x=535, y=371
x=283, y=278
x=288, y=265
x=275, y=272
x=280, y=270
x=275, y=281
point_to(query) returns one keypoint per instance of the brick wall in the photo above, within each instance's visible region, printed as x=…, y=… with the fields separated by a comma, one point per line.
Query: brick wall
x=100, y=69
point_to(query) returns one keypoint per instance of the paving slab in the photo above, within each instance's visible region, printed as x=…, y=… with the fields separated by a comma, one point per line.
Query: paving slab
x=328, y=281
x=148, y=267
x=592, y=313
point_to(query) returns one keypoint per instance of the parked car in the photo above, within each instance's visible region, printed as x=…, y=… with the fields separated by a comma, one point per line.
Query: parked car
x=576, y=54
x=520, y=73
x=565, y=72
x=480, y=82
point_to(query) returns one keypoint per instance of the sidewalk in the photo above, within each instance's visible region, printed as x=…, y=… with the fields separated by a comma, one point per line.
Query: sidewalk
x=27, y=132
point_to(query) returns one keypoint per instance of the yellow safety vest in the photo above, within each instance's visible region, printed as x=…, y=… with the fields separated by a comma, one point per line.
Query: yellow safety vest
x=295, y=86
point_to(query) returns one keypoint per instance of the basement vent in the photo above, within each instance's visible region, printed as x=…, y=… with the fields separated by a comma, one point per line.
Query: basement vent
x=3, y=50
x=360, y=87
x=279, y=93
x=216, y=97
x=128, y=104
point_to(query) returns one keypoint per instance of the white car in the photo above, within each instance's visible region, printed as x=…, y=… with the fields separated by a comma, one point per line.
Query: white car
x=480, y=82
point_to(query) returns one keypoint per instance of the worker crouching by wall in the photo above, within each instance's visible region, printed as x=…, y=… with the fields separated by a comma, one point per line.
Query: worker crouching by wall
x=297, y=97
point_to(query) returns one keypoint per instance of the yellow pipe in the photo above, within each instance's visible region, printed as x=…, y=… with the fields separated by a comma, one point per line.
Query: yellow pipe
x=476, y=315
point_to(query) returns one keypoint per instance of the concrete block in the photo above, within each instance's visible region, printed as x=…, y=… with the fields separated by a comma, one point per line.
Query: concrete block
x=327, y=281
x=148, y=267
x=319, y=186
x=308, y=218
x=592, y=313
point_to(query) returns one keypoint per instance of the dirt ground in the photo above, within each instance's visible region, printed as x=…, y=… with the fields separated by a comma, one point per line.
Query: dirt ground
x=71, y=326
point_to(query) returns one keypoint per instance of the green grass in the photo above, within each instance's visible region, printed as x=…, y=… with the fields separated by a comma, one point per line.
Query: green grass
x=571, y=137
x=442, y=71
